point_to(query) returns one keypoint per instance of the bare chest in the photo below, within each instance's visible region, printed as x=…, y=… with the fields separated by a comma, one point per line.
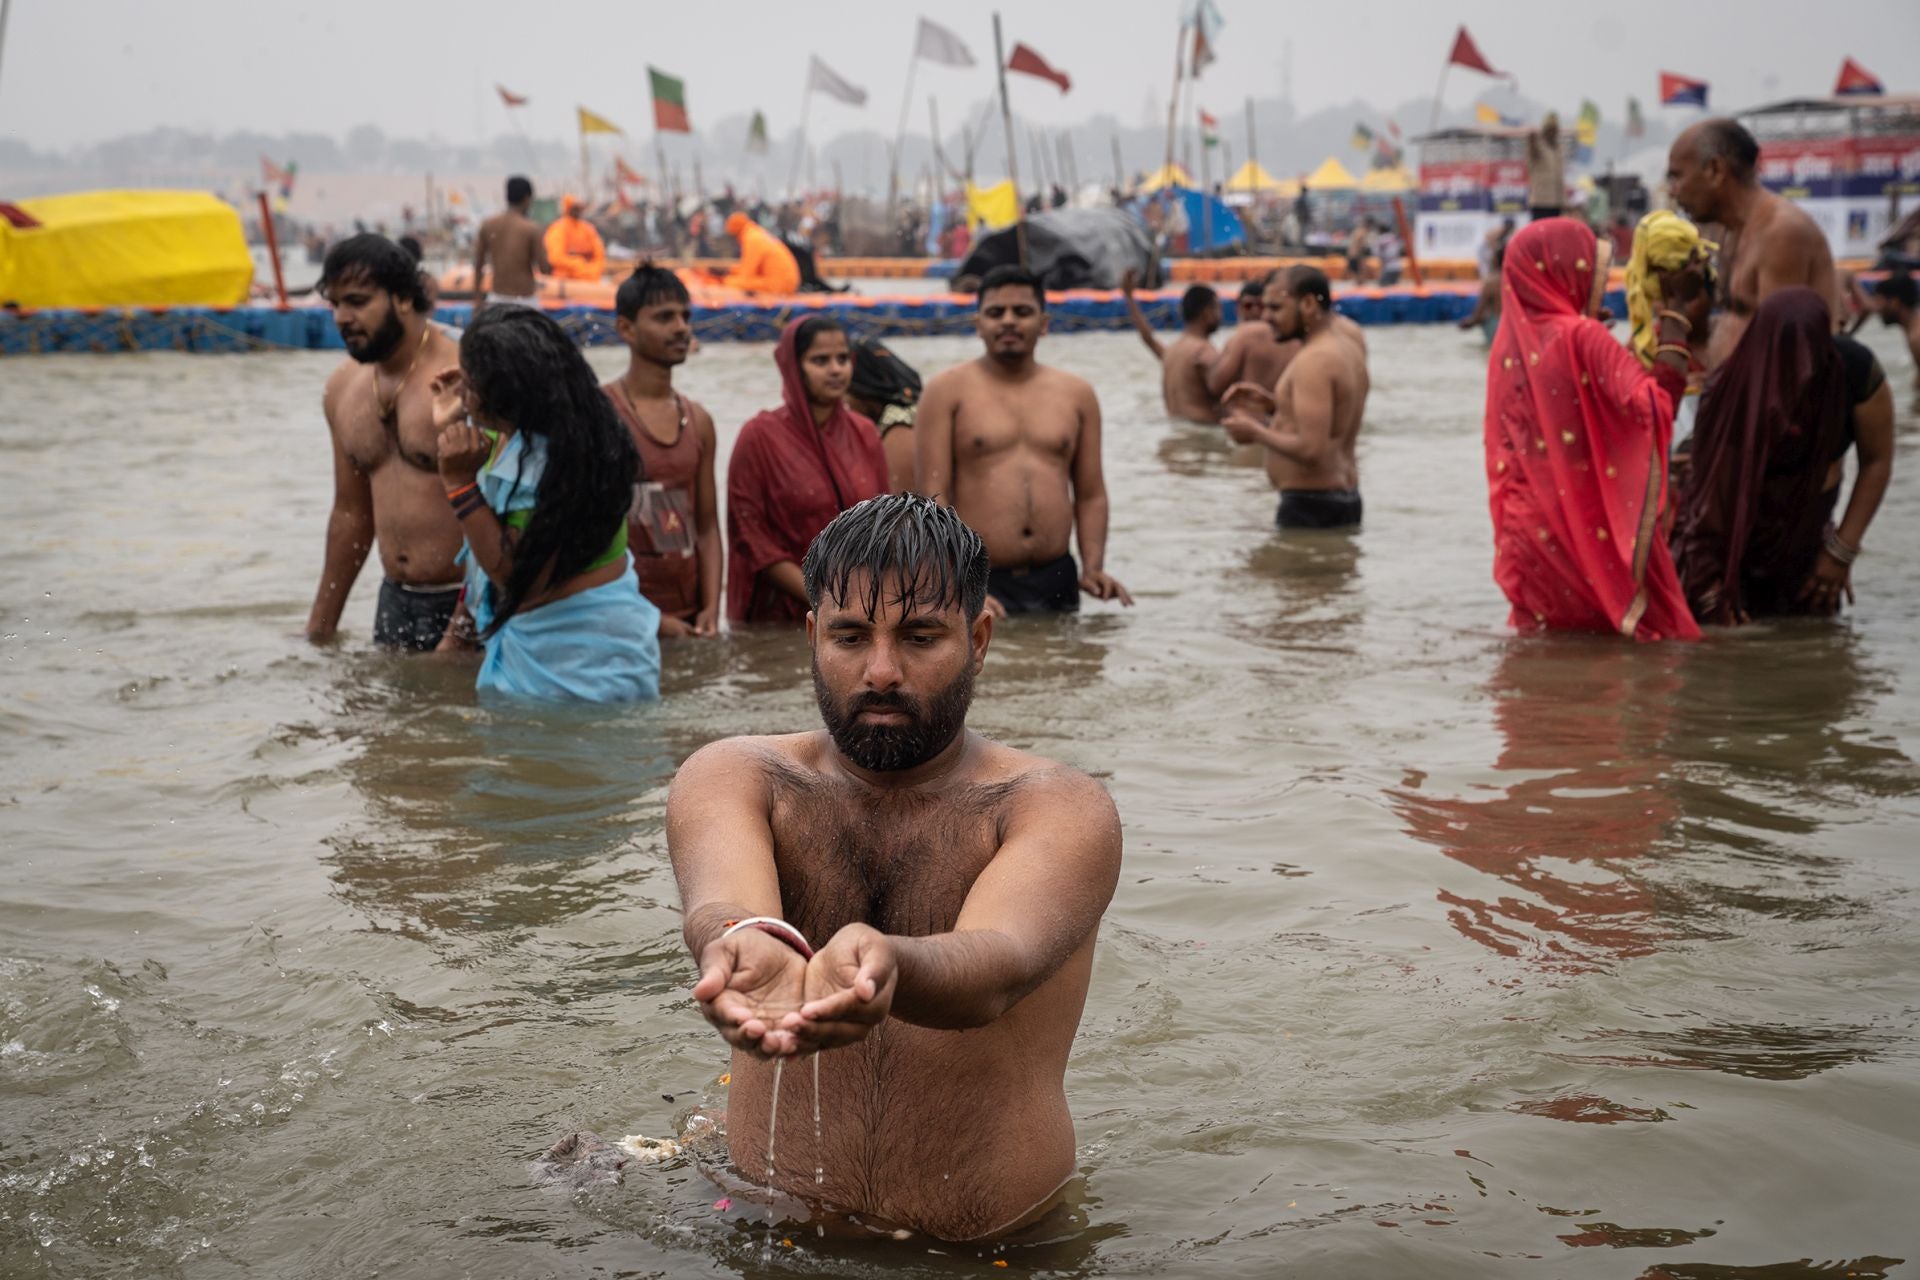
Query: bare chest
x=1009, y=424
x=405, y=434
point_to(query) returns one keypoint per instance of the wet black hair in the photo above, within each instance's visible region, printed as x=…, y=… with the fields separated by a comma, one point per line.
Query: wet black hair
x=1195, y=301
x=1309, y=282
x=811, y=328
x=1898, y=287
x=526, y=372
x=518, y=189
x=379, y=262
x=1007, y=275
x=1730, y=141
x=647, y=286
x=1255, y=287
x=935, y=558
x=881, y=377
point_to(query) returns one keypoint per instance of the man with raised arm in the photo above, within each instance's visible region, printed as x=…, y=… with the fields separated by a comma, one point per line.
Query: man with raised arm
x=511, y=243
x=1316, y=409
x=1186, y=361
x=913, y=902
x=1769, y=243
x=1014, y=446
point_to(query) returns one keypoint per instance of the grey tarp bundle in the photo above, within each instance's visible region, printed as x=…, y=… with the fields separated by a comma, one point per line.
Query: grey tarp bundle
x=1072, y=249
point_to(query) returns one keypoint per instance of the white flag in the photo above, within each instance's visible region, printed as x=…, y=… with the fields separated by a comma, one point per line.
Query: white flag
x=821, y=77
x=937, y=44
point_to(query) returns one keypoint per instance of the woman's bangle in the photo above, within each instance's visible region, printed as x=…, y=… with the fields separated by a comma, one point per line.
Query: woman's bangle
x=468, y=504
x=777, y=927
x=468, y=487
x=1675, y=315
x=1837, y=547
x=1673, y=348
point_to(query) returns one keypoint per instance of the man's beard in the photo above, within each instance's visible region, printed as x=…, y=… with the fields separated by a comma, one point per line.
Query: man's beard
x=888, y=748
x=384, y=341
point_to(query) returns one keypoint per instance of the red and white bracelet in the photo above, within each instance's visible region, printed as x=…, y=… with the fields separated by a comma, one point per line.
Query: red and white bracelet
x=777, y=927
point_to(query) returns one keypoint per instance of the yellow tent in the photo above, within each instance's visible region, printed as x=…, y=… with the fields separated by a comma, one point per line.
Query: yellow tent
x=1331, y=176
x=1387, y=182
x=1251, y=176
x=1170, y=175
x=994, y=206
x=125, y=248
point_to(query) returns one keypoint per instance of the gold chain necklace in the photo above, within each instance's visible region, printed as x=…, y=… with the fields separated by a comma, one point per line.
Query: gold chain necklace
x=390, y=409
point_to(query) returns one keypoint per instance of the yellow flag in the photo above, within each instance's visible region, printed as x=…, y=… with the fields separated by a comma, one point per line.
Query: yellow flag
x=591, y=123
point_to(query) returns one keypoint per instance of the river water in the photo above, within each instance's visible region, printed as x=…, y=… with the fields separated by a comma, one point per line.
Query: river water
x=1436, y=951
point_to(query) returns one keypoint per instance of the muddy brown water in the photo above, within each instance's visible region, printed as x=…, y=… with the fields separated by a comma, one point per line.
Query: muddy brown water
x=1436, y=952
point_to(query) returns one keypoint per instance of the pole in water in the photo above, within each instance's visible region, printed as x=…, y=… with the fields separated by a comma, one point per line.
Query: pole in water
x=1013, y=162
x=273, y=239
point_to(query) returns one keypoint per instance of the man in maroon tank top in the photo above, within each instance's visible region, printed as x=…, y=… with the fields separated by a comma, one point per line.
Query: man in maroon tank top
x=673, y=526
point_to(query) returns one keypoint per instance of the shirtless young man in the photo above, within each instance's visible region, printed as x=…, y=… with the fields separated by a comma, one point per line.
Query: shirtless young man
x=386, y=478
x=511, y=240
x=1185, y=362
x=1316, y=410
x=1769, y=243
x=1897, y=300
x=1253, y=354
x=1014, y=446
x=952, y=886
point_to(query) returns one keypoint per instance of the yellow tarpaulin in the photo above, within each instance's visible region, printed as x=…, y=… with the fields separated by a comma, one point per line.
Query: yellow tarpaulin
x=1167, y=175
x=1252, y=176
x=1331, y=176
x=993, y=206
x=125, y=249
x=1387, y=181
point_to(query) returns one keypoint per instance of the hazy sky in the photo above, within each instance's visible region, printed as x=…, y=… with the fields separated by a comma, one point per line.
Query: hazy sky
x=77, y=71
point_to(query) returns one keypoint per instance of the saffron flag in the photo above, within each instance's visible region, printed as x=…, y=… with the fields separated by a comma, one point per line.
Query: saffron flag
x=591, y=123
x=1362, y=137
x=1636, y=123
x=1467, y=54
x=757, y=134
x=669, y=103
x=1203, y=56
x=937, y=44
x=1027, y=62
x=623, y=172
x=1856, y=79
x=821, y=79
x=1209, y=130
x=1491, y=116
x=509, y=97
x=1206, y=23
x=1679, y=91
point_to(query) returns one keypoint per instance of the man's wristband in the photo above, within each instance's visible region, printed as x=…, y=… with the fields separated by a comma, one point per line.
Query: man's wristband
x=777, y=927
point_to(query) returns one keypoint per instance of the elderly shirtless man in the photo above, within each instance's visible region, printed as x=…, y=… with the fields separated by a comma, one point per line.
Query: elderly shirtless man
x=1769, y=242
x=913, y=902
x=1014, y=446
x=1316, y=409
x=386, y=478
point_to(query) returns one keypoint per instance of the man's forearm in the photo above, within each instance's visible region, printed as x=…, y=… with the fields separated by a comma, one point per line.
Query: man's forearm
x=1090, y=522
x=1290, y=447
x=704, y=925
x=952, y=981
x=349, y=539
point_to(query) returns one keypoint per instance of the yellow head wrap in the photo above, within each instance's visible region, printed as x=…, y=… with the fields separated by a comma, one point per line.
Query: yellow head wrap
x=1661, y=242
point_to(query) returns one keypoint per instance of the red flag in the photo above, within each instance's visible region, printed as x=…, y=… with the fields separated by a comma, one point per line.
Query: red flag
x=623, y=173
x=1208, y=121
x=273, y=174
x=1856, y=79
x=509, y=97
x=1027, y=61
x=1467, y=54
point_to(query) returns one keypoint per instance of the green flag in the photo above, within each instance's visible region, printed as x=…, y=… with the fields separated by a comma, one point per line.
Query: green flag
x=669, y=103
x=757, y=134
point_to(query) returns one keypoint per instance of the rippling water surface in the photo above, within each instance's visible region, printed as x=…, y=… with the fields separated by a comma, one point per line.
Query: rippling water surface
x=1436, y=952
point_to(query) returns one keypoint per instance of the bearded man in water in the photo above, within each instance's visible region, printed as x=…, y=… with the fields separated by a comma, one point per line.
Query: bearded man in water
x=952, y=886
x=386, y=477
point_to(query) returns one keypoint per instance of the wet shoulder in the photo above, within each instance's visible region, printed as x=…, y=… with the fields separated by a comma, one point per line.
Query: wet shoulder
x=1036, y=784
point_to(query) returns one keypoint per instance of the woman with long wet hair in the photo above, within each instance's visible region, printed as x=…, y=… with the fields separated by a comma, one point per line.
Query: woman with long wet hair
x=540, y=472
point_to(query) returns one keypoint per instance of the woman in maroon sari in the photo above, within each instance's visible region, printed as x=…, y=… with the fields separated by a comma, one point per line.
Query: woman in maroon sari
x=794, y=469
x=1577, y=435
x=1773, y=420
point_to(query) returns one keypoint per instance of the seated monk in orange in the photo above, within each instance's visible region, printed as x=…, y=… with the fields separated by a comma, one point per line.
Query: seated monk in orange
x=766, y=265
x=574, y=247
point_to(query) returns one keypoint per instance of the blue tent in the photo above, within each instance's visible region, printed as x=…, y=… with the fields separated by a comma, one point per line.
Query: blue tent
x=1206, y=214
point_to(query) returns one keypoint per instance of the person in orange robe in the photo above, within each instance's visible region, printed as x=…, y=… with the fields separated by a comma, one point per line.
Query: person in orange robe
x=766, y=265
x=574, y=247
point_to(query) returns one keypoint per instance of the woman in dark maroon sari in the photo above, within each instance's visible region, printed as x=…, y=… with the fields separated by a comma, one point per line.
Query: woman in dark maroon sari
x=1754, y=513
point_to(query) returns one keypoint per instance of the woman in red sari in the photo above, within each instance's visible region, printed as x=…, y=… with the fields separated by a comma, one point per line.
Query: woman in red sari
x=1577, y=434
x=794, y=469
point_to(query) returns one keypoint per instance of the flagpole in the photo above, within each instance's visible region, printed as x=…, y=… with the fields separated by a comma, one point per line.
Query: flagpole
x=806, y=102
x=1173, y=105
x=1439, y=91
x=5, y=7
x=900, y=134
x=1119, y=167
x=1013, y=161
x=1253, y=152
